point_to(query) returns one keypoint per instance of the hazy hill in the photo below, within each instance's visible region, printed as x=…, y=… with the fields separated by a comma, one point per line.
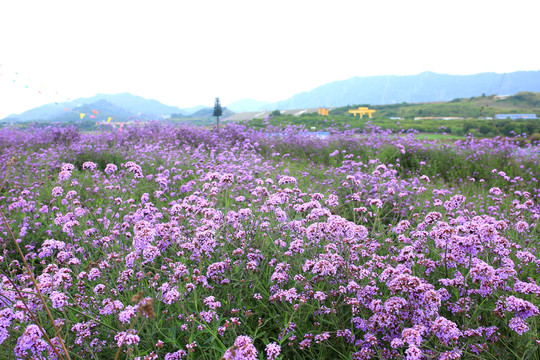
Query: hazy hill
x=246, y=105
x=424, y=87
x=473, y=107
x=104, y=110
x=117, y=105
x=133, y=103
x=191, y=110
x=208, y=112
x=45, y=112
x=524, y=100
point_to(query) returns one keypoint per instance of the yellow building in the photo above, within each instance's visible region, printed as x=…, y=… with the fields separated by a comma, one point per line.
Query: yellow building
x=362, y=111
x=323, y=111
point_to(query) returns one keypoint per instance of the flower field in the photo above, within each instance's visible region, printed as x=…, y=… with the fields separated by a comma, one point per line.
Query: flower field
x=164, y=242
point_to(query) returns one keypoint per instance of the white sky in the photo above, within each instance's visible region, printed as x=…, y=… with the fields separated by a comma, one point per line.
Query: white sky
x=186, y=53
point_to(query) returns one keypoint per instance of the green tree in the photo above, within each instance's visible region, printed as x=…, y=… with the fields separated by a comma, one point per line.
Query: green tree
x=217, y=112
x=484, y=129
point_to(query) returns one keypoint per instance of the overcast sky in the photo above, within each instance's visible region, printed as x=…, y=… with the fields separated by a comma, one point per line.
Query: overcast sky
x=186, y=53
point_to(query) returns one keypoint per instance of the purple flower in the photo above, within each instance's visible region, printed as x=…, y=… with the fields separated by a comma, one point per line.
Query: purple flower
x=178, y=355
x=305, y=344
x=67, y=167
x=319, y=295
x=518, y=325
x=127, y=314
x=59, y=300
x=171, y=296
x=127, y=338
x=411, y=336
x=135, y=169
x=455, y=202
x=216, y=269
x=94, y=274
x=521, y=308
x=99, y=289
x=64, y=175
x=89, y=166
x=57, y=191
x=332, y=201
x=287, y=180
x=243, y=349
x=32, y=341
x=211, y=302
x=6, y=316
x=110, y=169
x=397, y=343
x=375, y=202
x=451, y=355
x=402, y=226
x=324, y=267
x=413, y=353
x=446, y=330
x=110, y=306
x=322, y=337
x=227, y=178
x=522, y=227
x=272, y=351
x=145, y=197
x=150, y=253
x=208, y=316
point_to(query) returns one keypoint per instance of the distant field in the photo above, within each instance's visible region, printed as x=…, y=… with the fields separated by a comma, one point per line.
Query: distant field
x=470, y=110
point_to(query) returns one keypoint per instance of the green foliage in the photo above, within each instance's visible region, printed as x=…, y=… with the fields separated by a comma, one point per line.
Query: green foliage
x=523, y=99
x=218, y=111
x=100, y=158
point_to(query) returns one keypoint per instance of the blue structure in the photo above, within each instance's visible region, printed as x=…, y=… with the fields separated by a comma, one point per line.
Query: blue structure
x=515, y=116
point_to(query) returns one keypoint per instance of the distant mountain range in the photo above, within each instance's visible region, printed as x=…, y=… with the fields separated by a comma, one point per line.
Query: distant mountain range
x=119, y=106
x=247, y=105
x=424, y=87
x=373, y=90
